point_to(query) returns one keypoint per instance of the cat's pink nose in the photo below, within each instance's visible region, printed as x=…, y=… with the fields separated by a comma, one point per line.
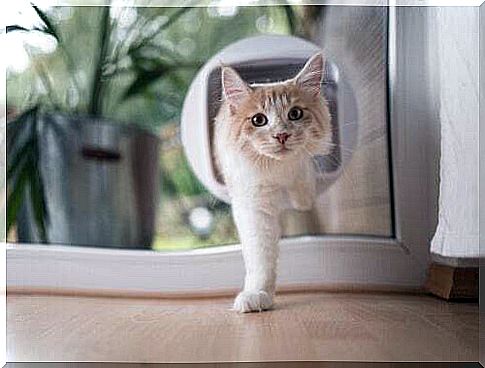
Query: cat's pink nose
x=282, y=137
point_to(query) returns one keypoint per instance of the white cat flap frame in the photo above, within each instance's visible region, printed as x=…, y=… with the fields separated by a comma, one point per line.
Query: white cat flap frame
x=263, y=59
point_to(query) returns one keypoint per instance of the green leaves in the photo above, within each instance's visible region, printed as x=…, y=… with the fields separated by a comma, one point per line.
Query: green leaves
x=291, y=18
x=148, y=72
x=149, y=69
x=16, y=27
x=143, y=79
x=47, y=26
x=23, y=171
x=146, y=40
x=98, y=83
x=16, y=196
x=37, y=196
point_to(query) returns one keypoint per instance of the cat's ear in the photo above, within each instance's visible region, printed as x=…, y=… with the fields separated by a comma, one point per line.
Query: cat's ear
x=234, y=87
x=310, y=77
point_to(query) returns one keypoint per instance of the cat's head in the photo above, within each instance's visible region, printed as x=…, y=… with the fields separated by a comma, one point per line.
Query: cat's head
x=279, y=120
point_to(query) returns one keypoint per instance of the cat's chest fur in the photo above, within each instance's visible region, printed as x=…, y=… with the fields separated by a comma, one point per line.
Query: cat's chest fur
x=238, y=169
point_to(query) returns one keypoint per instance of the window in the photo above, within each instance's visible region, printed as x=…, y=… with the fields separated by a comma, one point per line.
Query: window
x=188, y=215
x=131, y=68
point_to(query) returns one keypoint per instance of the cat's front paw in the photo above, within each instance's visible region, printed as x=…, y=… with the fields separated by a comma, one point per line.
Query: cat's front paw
x=253, y=301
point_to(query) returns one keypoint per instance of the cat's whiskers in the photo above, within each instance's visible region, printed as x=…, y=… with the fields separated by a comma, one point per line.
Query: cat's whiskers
x=340, y=147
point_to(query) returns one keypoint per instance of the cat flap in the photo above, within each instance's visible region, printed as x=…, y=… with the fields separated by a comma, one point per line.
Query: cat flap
x=263, y=59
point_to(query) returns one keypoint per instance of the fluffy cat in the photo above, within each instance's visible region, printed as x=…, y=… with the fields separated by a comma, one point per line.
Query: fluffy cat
x=265, y=138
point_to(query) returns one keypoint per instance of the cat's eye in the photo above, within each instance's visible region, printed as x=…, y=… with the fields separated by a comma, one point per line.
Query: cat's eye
x=295, y=113
x=259, y=120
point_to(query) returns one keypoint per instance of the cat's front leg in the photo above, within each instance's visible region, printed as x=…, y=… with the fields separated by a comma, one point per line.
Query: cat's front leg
x=259, y=232
x=302, y=195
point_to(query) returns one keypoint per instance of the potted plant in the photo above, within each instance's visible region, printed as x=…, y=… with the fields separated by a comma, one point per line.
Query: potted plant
x=77, y=173
x=75, y=176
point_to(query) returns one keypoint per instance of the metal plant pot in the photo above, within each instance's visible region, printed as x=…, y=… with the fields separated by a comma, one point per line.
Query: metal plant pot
x=101, y=183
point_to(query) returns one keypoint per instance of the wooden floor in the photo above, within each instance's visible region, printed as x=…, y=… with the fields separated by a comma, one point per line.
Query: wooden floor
x=305, y=326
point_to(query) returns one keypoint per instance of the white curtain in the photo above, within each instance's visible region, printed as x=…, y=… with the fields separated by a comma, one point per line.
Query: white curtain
x=457, y=34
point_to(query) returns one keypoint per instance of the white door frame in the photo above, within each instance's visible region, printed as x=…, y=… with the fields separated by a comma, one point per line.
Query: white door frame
x=311, y=261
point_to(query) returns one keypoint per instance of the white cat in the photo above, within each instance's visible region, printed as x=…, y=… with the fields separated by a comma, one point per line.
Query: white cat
x=265, y=138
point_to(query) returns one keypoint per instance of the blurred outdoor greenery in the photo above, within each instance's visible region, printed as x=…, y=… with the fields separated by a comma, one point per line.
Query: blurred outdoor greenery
x=152, y=55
